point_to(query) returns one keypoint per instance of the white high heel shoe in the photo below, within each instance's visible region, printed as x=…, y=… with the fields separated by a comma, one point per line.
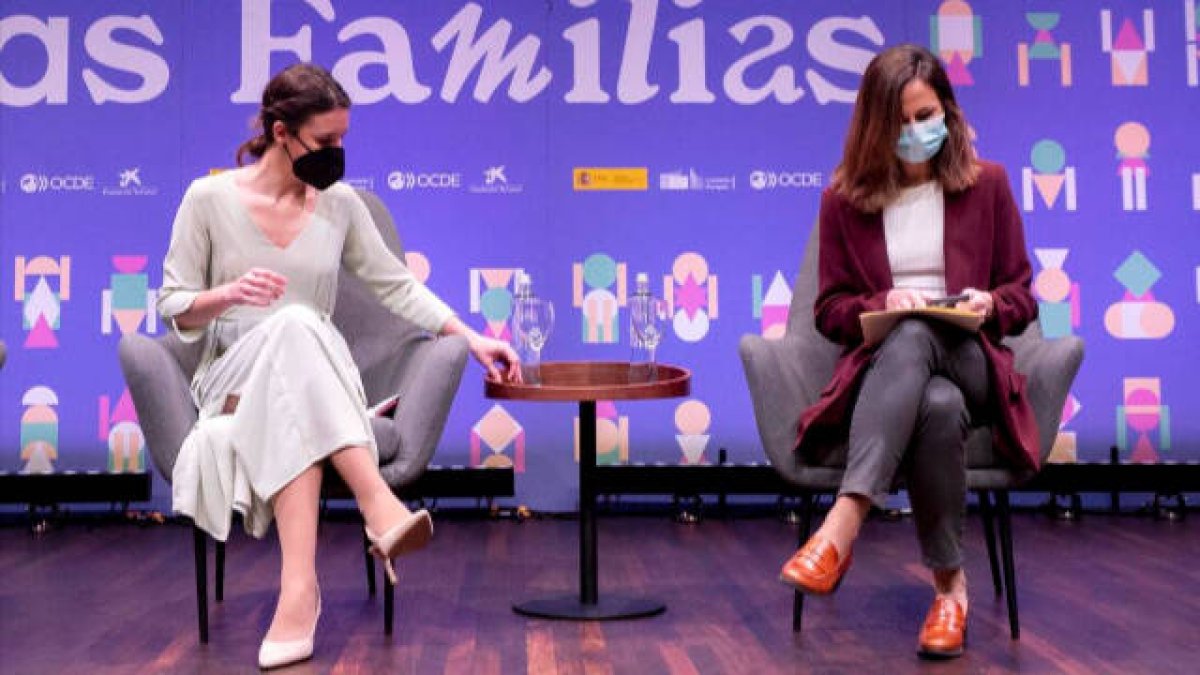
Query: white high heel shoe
x=275, y=654
x=411, y=534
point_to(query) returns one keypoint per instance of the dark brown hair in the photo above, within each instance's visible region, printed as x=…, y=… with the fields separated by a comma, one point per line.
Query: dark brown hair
x=870, y=174
x=294, y=95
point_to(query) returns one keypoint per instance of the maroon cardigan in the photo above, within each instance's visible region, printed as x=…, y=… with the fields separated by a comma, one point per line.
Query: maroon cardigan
x=984, y=248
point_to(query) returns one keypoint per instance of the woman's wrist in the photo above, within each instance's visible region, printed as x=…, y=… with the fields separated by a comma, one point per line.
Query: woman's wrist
x=455, y=326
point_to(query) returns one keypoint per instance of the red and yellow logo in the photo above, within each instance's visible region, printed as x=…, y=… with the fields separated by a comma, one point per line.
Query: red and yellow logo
x=611, y=178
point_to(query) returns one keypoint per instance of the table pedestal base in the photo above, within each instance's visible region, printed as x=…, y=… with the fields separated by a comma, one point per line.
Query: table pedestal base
x=611, y=606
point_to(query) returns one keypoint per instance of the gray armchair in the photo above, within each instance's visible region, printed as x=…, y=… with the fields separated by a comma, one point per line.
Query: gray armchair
x=787, y=375
x=393, y=356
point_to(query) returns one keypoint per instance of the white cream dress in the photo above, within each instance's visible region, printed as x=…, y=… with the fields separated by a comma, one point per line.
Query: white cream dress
x=301, y=396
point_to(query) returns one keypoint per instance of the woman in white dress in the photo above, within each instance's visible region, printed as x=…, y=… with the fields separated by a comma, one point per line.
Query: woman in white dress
x=252, y=270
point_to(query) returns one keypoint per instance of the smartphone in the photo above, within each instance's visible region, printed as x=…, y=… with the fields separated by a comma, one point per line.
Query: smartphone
x=948, y=301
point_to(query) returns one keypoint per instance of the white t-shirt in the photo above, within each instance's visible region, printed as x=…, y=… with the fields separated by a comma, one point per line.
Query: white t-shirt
x=913, y=227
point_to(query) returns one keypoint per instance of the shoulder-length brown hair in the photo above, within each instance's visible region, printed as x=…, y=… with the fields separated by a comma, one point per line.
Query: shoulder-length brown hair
x=871, y=174
x=295, y=94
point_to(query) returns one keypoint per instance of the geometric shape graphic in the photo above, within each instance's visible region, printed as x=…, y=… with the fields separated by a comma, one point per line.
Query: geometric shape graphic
x=39, y=430
x=772, y=307
x=612, y=435
x=1130, y=51
x=129, y=299
x=498, y=431
x=1049, y=174
x=1138, y=315
x=1132, y=141
x=418, y=264
x=1191, y=30
x=692, y=420
x=1137, y=274
x=119, y=427
x=1057, y=295
x=1196, y=192
x=1043, y=48
x=690, y=292
x=41, y=305
x=1065, y=450
x=956, y=35
x=599, y=289
x=492, y=297
x=1143, y=411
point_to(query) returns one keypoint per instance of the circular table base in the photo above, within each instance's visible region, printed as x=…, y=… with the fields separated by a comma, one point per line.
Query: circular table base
x=609, y=607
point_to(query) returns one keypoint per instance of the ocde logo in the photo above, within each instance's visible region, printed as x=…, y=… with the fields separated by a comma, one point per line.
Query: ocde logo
x=33, y=182
x=771, y=180
x=410, y=180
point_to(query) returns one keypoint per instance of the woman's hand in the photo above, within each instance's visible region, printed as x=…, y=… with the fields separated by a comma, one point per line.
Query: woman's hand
x=980, y=302
x=259, y=287
x=904, y=298
x=497, y=357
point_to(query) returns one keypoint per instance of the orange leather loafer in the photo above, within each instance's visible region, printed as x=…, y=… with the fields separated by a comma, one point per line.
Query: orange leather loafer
x=815, y=568
x=945, y=631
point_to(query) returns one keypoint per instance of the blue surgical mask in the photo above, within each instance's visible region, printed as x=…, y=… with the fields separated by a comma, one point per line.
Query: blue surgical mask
x=920, y=141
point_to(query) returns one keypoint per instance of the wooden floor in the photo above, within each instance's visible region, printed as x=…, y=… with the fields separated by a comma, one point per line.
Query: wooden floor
x=1108, y=594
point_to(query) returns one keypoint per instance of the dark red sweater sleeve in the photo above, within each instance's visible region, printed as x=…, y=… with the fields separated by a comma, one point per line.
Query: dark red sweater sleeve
x=843, y=293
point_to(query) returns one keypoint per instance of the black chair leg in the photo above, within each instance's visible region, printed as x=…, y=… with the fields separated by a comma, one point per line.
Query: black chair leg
x=219, y=592
x=1006, y=552
x=198, y=544
x=370, y=564
x=389, y=604
x=806, y=509
x=989, y=534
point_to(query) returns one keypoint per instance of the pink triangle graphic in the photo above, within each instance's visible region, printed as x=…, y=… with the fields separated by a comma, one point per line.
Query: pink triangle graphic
x=41, y=336
x=124, y=411
x=1049, y=186
x=498, y=330
x=497, y=278
x=129, y=319
x=1143, y=452
x=1128, y=38
x=956, y=69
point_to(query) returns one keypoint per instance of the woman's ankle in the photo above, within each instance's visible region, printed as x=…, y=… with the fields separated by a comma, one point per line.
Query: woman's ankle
x=383, y=512
x=298, y=582
x=952, y=583
x=842, y=523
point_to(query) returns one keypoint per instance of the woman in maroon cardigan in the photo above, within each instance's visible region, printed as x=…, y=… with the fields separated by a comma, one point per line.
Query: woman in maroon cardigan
x=911, y=217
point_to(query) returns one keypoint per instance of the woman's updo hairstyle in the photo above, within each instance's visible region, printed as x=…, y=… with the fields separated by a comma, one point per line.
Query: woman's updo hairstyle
x=293, y=96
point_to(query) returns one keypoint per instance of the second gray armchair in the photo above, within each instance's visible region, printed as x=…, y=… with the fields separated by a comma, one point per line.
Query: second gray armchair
x=786, y=376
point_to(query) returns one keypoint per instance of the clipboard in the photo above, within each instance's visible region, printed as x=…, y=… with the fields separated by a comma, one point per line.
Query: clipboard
x=876, y=325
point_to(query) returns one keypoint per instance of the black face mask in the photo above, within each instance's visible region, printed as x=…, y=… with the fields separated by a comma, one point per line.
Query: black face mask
x=319, y=168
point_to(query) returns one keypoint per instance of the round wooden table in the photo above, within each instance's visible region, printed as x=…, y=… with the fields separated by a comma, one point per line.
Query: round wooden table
x=586, y=382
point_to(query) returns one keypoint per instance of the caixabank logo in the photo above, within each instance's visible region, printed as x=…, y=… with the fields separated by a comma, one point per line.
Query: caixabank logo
x=494, y=180
x=130, y=183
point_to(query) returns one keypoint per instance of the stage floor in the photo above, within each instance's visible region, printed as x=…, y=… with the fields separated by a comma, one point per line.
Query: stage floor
x=1108, y=594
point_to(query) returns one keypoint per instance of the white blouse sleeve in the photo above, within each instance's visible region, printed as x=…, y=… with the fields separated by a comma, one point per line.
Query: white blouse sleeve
x=367, y=256
x=186, y=267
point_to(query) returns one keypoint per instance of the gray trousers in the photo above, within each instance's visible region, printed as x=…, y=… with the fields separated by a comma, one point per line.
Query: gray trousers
x=925, y=385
